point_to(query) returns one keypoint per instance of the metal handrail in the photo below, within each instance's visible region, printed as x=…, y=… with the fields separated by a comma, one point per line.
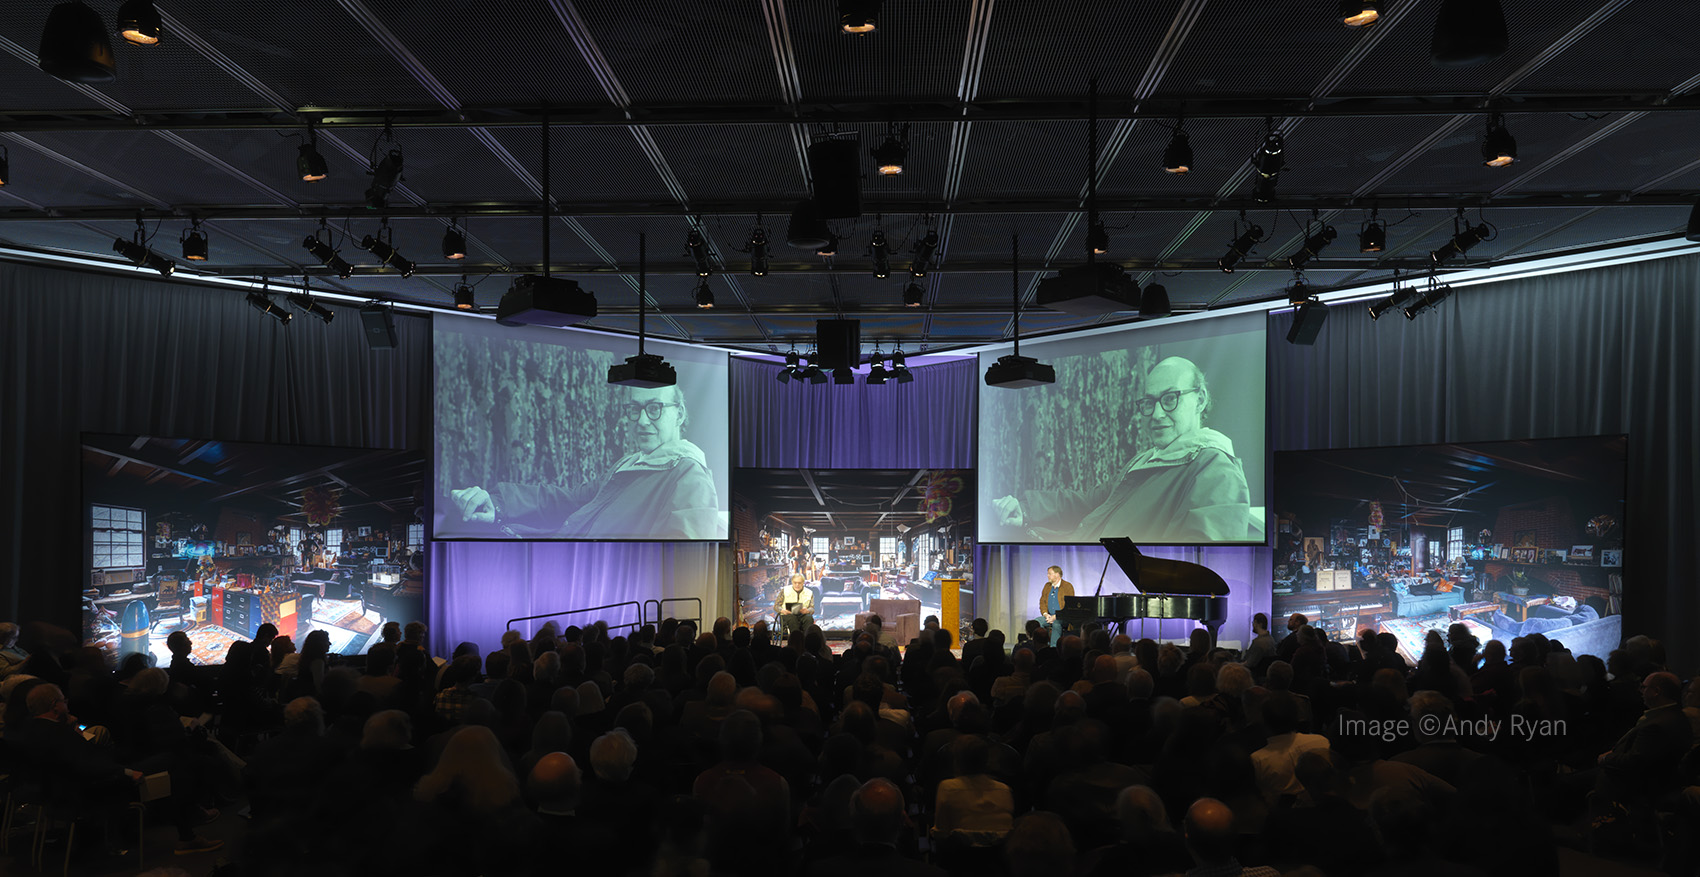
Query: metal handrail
x=658, y=604
x=631, y=624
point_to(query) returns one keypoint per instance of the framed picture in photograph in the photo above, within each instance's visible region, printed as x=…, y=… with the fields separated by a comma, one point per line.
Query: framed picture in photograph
x=1611, y=557
x=1582, y=554
x=1523, y=554
x=849, y=541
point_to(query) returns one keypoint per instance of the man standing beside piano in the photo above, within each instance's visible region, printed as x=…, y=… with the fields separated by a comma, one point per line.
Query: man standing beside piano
x=1051, y=598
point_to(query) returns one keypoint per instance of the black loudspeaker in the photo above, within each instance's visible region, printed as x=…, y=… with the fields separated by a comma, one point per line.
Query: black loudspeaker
x=836, y=168
x=379, y=324
x=839, y=343
x=1307, y=323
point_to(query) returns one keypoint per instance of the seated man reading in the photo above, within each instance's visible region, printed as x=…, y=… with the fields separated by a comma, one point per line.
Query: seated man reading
x=795, y=606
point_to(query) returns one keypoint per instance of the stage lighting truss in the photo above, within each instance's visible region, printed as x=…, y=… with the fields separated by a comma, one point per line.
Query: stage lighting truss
x=699, y=252
x=890, y=155
x=381, y=245
x=194, y=242
x=924, y=250
x=881, y=253
x=140, y=254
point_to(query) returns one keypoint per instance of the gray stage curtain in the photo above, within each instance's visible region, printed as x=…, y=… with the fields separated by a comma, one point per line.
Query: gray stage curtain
x=926, y=423
x=93, y=353
x=1607, y=351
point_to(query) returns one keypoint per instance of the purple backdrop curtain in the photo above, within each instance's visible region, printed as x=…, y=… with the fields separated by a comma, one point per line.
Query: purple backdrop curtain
x=926, y=423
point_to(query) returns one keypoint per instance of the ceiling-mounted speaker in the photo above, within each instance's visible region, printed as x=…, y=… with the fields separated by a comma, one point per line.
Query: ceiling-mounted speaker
x=1307, y=323
x=835, y=167
x=379, y=325
x=839, y=343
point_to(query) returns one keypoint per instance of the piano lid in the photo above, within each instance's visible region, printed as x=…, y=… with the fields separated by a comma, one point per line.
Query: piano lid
x=1160, y=575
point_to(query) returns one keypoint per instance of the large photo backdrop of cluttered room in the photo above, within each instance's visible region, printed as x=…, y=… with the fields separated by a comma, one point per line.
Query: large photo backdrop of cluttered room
x=192, y=545
x=1477, y=543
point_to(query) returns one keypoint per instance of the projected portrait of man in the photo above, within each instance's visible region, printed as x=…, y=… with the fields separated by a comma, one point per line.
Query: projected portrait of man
x=1188, y=487
x=661, y=489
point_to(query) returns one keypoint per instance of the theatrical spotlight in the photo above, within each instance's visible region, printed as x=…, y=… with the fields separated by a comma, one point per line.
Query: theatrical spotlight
x=1271, y=156
x=924, y=250
x=882, y=255
x=74, y=45
x=141, y=255
x=1396, y=300
x=1499, y=148
x=704, y=295
x=386, y=253
x=830, y=248
x=138, y=22
x=1312, y=247
x=1693, y=232
x=308, y=162
x=812, y=372
x=328, y=257
x=454, y=242
x=1263, y=191
x=791, y=368
x=757, y=248
x=304, y=302
x=1360, y=13
x=194, y=242
x=1240, y=247
x=1434, y=296
x=1461, y=243
x=1097, y=237
x=265, y=305
x=1177, y=157
x=912, y=295
x=890, y=155
x=384, y=175
x=858, y=16
x=5, y=166
x=465, y=299
x=843, y=375
x=900, y=368
x=877, y=373
x=1372, y=238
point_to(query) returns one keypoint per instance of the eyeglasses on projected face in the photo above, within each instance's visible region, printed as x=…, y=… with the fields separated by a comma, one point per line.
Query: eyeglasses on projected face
x=1169, y=400
x=653, y=409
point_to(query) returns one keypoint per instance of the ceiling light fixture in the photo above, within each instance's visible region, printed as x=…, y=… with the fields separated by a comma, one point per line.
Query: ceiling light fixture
x=791, y=367
x=858, y=16
x=1097, y=237
x=1360, y=13
x=1240, y=247
x=913, y=295
x=465, y=298
x=892, y=152
x=1271, y=157
x=139, y=253
x=830, y=248
x=454, y=242
x=327, y=255
x=757, y=248
x=304, y=302
x=74, y=45
x=924, y=250
x=1434, y=296
x=1372, y=237
x=379, y=245
x=1177, y=157
x=812, y=372
x=877, y=373
x=308, y=162
x=1313, y=246
x=704, y=295
x=900, y=368
x=1499, y=148
x=1464, y=237
x=194, y=242
x=138, y=22
x=265, y=305
x=1468, y=33
x=882, y=254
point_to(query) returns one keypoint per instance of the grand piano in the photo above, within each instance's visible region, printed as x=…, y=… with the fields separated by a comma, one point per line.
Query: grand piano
x=1166, y=589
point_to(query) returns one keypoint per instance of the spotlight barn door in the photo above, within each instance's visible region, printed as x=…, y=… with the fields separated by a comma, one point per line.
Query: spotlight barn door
x=836, y=169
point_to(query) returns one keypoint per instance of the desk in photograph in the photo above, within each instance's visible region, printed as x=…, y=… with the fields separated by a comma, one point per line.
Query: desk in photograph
x=1517, y=606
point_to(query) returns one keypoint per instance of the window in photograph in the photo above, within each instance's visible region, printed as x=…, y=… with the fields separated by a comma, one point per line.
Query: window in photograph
x=333, y=541
x=820, y=544
x=117, y=536
x=1455, y=543
x=415, y=537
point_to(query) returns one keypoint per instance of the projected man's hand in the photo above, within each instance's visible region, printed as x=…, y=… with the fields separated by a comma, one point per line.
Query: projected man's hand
x=475, y=504
x=1009, y=511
